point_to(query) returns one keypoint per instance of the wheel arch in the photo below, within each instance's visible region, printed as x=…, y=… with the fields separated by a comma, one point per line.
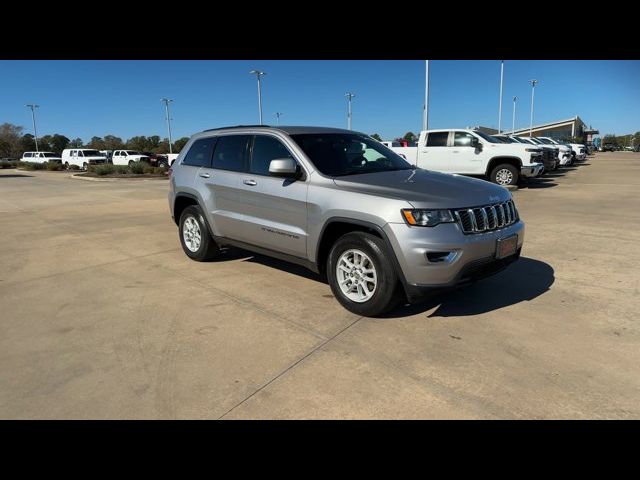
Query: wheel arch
x=335, y=227
x=495, y=161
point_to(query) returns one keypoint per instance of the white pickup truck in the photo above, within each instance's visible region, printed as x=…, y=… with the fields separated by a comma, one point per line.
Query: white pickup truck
x=470, y=152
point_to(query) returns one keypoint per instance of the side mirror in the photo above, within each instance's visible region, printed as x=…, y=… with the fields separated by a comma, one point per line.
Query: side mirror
x=475, y=143
x=283, y=167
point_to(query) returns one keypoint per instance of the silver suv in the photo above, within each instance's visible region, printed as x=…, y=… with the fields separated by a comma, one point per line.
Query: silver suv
x=343, y=205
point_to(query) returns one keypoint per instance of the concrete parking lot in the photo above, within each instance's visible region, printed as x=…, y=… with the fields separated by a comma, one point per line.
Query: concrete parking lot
x=103, y=316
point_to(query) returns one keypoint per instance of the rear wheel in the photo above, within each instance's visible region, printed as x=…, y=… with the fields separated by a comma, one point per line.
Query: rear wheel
x=195, y=237
x=85, y=166
x=66, y=165
x=360, y=274
x=505, y=174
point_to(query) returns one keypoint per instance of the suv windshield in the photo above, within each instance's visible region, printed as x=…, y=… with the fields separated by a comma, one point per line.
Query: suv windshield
x=338, y=154
x=488, y=138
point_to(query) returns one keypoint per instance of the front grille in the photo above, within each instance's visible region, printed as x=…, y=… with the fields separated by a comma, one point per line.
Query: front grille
x=488, y=218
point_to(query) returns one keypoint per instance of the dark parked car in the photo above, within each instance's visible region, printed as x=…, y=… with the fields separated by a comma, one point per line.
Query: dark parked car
x=157, y=159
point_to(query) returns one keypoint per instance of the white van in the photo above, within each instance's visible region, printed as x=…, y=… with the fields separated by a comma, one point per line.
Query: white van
x=40, y=157
x=82, y=157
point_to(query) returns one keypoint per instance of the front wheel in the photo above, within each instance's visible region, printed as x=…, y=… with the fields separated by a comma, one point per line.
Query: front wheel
x=85, y=166
x=195, y=238
x=505, y=174
x=360, y=274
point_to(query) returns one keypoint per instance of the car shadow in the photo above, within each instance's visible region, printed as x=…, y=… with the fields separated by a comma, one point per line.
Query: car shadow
x=14, y=175
x=236, y=253
x=537, y=183
x=522, y=281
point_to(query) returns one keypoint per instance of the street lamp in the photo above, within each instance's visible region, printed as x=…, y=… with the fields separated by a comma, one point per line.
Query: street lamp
x=33, y=107
x=425, y=113
x=278, y=115
x=349, y=98
x=513, y=121
x=259, y=76
x=166, y=107
x=500, y=105
x=533, y=89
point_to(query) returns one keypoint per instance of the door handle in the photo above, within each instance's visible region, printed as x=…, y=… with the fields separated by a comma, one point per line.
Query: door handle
x=251, y=183
x=205, y=175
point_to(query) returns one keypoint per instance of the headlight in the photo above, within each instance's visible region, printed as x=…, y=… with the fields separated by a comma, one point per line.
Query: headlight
x=427, y=218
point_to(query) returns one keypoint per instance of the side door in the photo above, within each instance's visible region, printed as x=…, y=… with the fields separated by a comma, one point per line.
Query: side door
x=464, y=158
x=275, y=208
x=223, y=163
x=434, y=154
x=115, y=159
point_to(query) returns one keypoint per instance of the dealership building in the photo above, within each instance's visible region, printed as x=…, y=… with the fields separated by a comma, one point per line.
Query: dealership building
x=562, y=129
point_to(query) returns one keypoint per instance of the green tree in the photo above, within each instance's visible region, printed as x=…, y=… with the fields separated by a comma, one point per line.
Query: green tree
x=10, y=136
x=76, y=143
x=59, y=142
x=44, y=143
x=410, y=137
x=163, y=146
x=140, y=143
x=179, y=144
x=376, y=137
x=111, y=142
x=27, y=143
x=96, y=143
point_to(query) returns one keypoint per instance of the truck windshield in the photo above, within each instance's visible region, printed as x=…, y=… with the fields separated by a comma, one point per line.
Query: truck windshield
x=488, y=138
x=339, y=154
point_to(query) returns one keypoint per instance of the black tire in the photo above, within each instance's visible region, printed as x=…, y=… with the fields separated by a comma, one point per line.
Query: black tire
x=385, y=295
x=85, y=166
x=66, y=165
x=498, y=170
x=208, y=249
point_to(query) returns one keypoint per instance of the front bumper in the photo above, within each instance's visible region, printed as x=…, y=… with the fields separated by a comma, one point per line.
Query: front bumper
x=532, y=170
x=471, y=256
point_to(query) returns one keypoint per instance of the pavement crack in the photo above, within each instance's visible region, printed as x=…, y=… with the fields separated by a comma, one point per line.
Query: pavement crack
x=301, y=359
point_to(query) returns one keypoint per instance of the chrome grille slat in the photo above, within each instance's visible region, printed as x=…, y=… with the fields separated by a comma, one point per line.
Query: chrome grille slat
x=487, y=218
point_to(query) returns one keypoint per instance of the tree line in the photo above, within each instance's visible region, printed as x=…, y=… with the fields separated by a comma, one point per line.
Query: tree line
x=623, y=140
x=13, y=142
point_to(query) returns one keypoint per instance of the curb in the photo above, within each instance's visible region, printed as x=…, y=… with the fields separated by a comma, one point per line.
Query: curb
x=78, y=176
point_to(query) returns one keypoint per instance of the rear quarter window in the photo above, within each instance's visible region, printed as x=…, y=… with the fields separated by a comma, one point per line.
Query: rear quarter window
x=199, y=154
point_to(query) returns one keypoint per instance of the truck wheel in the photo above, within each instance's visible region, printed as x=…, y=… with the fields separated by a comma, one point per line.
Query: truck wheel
x=360, y=274
x=195, y=238
x=505, y=174
x=66, y=165
x=85, y=166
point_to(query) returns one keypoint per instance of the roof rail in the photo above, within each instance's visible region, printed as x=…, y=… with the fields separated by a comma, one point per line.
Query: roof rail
x=237, y=126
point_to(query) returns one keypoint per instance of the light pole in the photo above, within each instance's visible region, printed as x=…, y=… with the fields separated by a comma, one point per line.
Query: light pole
x=513, y=120
x=278, y=115
x=425, y=113
x=533, y=90
x=349, y=98
x=500, y=105
x=33, y=107
x=259, y=76
x=166, y=107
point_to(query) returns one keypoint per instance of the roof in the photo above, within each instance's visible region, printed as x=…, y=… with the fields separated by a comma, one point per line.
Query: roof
x=291, y=130
x=543, y=126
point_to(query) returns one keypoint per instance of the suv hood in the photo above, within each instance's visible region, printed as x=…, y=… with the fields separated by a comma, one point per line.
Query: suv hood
x=426, y=189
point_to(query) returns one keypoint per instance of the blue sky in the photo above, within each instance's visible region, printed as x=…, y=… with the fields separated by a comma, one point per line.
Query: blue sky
x=87, y=98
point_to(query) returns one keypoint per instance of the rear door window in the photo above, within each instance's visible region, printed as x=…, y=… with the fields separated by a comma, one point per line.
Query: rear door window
x=199, y=155
x=437, y=139
x=230, y=153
